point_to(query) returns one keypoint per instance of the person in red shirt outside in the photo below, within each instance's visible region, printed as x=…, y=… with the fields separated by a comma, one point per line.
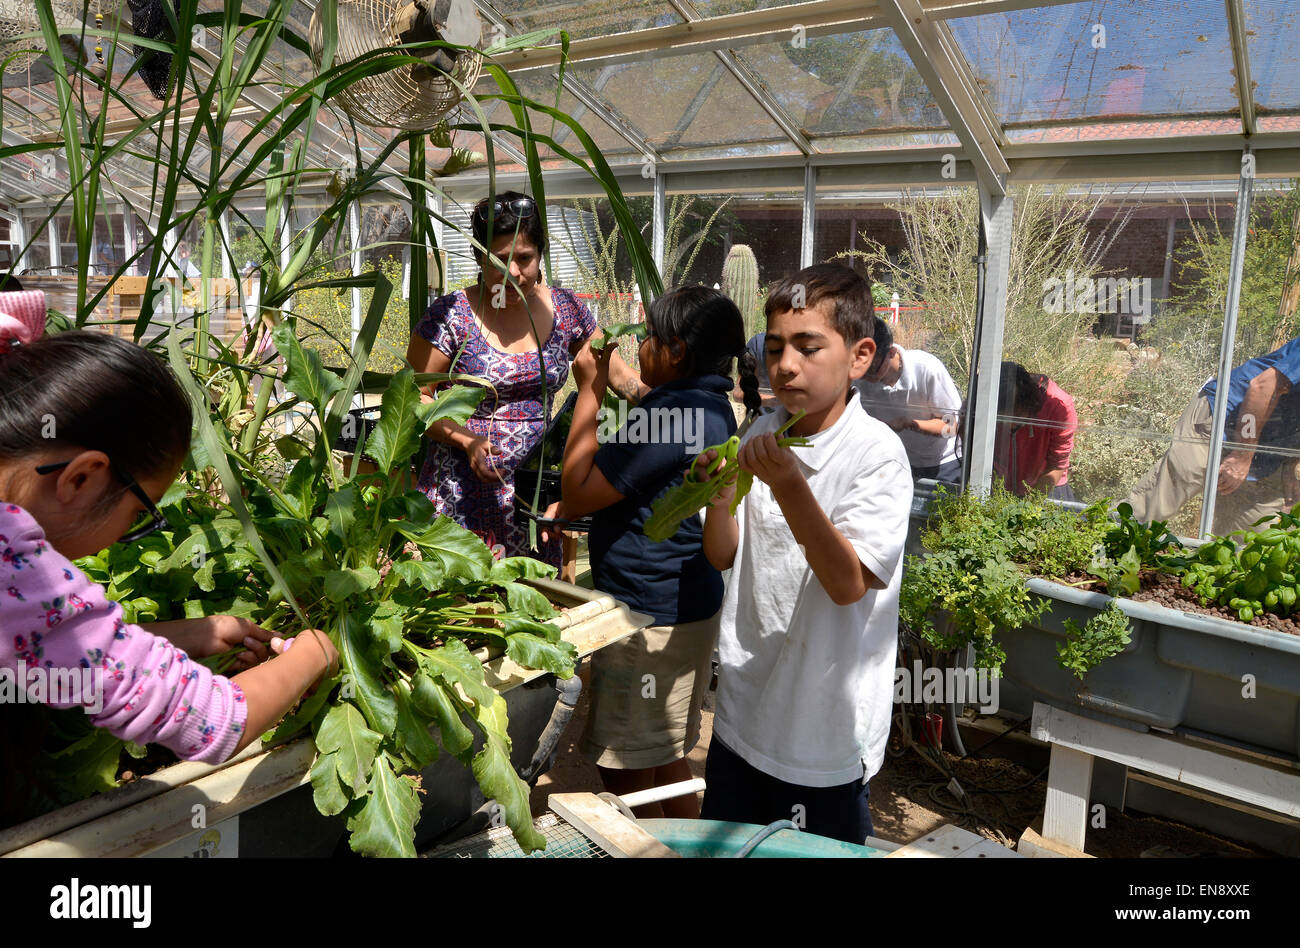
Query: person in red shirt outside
x=1035, y=439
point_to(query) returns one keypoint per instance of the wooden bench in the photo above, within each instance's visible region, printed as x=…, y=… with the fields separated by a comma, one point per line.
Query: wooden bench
x=124, y=286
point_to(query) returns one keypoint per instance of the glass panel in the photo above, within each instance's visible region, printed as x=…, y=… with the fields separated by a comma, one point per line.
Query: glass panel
x=1084, y=61
x=856, y=228
x=1267, y=326
x=589, y=255
x=541, y=87
x=68, y=257
x=846, y=84
x=1272, y=37
x=38, y=251
x=687, y=104
x=1109, y=325
x=581, y=20
x=768, y=224
x=109, y=244
x=723, y=7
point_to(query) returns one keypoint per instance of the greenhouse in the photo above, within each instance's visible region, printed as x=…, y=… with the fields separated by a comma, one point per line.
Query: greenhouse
x=826, y=390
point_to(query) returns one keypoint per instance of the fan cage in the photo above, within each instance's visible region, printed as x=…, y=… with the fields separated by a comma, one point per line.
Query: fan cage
x=393, y=99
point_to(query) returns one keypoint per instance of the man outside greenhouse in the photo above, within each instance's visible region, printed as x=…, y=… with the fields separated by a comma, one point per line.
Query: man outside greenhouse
x=1263, y=412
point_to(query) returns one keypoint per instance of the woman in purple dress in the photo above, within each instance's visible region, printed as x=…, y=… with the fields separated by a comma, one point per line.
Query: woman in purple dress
x=487, y=330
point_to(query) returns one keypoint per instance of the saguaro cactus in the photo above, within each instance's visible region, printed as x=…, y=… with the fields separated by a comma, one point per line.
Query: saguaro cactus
x=740, y=281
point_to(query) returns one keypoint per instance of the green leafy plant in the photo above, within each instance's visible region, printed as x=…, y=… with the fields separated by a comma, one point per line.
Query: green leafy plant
x=1257, y=578
x=1102, y=636
x=981, y=551
x=1130, y=545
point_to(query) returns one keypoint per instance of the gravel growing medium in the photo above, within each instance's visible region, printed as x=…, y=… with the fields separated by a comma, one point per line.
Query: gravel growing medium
x=1167, y=591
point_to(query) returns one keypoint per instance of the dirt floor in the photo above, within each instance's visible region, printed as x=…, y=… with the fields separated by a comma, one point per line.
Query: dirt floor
x=910, y=797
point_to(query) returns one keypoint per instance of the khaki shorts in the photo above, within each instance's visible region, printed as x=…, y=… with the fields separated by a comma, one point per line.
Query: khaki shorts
x=647, y=692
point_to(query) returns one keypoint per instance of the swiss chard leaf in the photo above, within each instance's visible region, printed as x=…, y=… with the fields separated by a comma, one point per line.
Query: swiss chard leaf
x=368, y=683
x=385, y=823
x=327, y=789
x=533, y=652
x=343, y=732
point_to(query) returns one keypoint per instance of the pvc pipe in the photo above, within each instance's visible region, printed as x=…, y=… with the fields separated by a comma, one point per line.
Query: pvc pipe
x=666, y=792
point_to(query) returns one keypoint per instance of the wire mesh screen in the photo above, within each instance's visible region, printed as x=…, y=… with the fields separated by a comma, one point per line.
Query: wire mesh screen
x=562, y=842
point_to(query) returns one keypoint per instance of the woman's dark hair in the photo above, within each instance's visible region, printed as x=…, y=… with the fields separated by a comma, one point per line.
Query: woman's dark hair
x=510, y=211
x=712, y=330
x=1020, y=390
x=853, y=312
x=94, y=391
x=9, y=283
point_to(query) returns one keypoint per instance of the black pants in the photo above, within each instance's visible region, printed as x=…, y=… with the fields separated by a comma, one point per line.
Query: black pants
x=740, y=793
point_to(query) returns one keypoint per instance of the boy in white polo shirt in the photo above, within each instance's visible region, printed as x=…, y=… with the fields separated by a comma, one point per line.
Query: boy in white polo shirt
x=810, y=616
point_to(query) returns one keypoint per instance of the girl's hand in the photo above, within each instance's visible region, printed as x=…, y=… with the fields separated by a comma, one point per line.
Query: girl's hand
x=483, y=456
x=723, y=497
x=212, y=635
x=589, y=365
x=772, y=464
x=329, y=654
x=553, y=512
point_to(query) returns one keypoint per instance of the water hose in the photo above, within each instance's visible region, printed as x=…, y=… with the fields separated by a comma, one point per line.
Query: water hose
x=763, y=834
x=568, y=690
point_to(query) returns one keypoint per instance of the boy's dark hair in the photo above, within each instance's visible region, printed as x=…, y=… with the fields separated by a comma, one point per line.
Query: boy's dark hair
x=1020, y=390
x=94, y=391
x=713, y=331
x=853, y=313
x=506, y=219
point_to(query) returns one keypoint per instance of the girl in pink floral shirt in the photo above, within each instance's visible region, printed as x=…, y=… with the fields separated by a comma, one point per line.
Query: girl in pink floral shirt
x=93, y=430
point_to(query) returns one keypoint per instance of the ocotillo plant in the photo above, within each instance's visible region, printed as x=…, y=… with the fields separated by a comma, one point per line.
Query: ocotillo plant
x=740, y=282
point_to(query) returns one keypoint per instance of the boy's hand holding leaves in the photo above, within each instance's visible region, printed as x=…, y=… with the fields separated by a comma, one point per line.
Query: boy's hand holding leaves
x=771, y=463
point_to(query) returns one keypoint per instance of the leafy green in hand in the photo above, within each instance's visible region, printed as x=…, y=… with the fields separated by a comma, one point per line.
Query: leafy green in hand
x=697, y=490
x=614, y=330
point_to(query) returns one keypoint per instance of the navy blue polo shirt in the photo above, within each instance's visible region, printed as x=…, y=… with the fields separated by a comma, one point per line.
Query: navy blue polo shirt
x=648, y=456
x=1283, y=427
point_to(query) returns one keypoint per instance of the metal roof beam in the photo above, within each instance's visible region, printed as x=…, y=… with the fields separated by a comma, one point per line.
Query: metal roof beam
x=949, y=9
x=1241, y=65
x=1205, y=157
x=733, y=31
x=944, y=72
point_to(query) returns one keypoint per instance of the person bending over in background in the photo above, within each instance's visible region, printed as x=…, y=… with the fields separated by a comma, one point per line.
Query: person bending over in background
x=913, y=393
x=1036, y=425
x=1263, y=411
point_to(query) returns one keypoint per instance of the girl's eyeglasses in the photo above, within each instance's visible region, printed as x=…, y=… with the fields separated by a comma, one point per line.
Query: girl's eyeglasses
x=151, y=522
x=521, y=207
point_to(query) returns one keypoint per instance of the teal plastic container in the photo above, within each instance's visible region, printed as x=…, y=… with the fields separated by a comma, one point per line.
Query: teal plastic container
x=714, y=839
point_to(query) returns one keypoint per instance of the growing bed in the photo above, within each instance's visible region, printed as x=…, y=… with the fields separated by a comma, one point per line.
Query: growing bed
x=259, y=803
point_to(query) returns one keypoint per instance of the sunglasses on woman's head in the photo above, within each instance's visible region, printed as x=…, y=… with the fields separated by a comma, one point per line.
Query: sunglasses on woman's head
x=521, y=207
x=151, y=522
